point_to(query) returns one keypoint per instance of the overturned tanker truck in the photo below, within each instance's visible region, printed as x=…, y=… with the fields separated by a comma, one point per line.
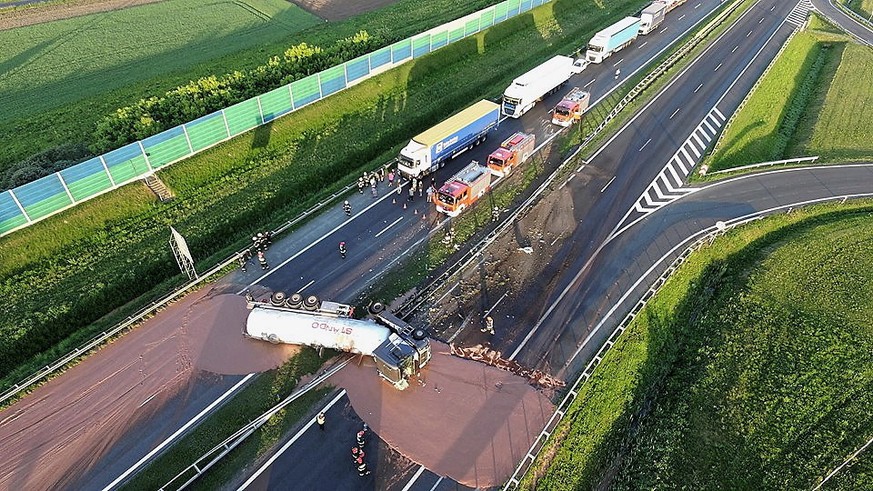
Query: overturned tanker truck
x=400, y=351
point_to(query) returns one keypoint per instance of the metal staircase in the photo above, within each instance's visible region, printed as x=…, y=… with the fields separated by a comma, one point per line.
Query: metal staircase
x=159, y=188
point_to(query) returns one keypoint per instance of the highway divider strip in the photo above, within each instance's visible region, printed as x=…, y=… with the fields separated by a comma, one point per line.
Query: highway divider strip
x=706, y=236
x=214, y=455
x=426, y=293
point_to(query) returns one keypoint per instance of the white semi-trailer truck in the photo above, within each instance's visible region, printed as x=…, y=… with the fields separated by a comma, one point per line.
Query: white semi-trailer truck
x=400, y=351
x=652, y=17
x=612, y=39
x=531, y=87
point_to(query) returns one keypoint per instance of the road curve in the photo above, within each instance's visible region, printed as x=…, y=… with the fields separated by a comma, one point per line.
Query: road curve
x=847, y=22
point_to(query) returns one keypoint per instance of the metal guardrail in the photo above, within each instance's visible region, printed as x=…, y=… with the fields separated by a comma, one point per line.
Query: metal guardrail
x=562, y=408
x=721, y=136
x=765, y=164
x=154, y=306
x=865, y=23
x=424, y=294
x=210, y=458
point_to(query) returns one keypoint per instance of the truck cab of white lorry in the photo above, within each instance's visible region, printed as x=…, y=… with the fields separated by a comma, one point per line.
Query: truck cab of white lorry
x=399, y=350
x=414, y=159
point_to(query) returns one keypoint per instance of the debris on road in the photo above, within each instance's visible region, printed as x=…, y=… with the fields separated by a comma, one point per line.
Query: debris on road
x=491, y=357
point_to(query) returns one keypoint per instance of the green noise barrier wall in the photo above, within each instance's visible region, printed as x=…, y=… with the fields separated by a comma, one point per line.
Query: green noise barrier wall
x=36, y=200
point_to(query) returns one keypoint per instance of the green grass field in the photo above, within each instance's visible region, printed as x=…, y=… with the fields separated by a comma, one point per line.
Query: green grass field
x=52, y=64
x=815, y=100
x=864, y=8
x=750, y=369
x=97, y=257
x=842, y=128
x=66, y=75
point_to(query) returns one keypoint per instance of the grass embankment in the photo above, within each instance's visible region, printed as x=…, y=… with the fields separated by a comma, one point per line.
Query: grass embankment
x=750, y=369
x=62, y=77
x=815, y=100
x=262, y=393
x=95, y=258
x=864, y=8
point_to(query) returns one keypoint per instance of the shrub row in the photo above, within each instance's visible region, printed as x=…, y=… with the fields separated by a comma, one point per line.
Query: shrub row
x=42, y=164
x=255, y=180
x=205, y=95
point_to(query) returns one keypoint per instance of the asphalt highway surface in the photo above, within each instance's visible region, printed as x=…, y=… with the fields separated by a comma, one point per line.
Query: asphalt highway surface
x=606, y=192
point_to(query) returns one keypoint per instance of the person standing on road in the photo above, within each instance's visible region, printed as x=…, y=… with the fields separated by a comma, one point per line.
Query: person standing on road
x=362, y=467
x=489, y=325
x=361, y=185
x=242, y=263
x=359, y=438
x=347, y=208
x=390, y=178
x=617, y=73
x=263, y=260
x=411, y=193
x=320, y=420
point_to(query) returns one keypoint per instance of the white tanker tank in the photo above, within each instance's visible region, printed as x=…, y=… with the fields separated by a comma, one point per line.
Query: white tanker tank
x=400, y=351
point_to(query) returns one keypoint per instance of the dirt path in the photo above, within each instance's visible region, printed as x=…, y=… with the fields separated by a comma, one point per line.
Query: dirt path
x=340, y=9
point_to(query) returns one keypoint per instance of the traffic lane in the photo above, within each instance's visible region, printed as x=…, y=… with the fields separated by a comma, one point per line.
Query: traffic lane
x=149, y=432
x=627, y=258
x=633, y=174
x=322, y=460
x=626, y=167
x=428, y=481
x=536, y=121
x=845, y=21
x=372, y=241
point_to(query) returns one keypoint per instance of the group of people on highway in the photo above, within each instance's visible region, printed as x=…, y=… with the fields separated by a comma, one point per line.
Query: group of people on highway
x=358, y=453
x=260, y=243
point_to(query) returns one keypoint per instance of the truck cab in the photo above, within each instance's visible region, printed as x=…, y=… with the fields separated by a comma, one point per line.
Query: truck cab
x=463, y=189
x=514, y=151
x=571, y=107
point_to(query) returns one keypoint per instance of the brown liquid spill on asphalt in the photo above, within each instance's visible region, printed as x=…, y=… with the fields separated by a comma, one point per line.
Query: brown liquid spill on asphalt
x=469, y=421
x=57, y=434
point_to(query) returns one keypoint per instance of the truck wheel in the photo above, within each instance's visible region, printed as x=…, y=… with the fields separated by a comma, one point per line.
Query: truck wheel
x=419, y=334
x=507, y=170
x=294, y=301
x=311, y=303
x=377, y=308
x=277, y=298
x=525, y=157
x=272, y=338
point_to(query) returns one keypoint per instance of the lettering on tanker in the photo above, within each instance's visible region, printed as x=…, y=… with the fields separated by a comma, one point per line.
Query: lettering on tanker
x=327, y=327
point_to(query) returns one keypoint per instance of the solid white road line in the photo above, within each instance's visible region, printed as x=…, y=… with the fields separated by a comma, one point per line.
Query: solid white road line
x=589, y=83
x=178, y=432
x=671, y=251
x=414, y=478
x=607, y=184
x=698, y=88
x=674, y=112
x=389, y=226
x=644, y=43
x=290, y=442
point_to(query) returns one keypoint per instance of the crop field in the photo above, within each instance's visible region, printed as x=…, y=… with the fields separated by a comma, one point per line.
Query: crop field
x=814, y=101
x=750, y=369
x=112, y=67
x=54, y=63
x=97, y=257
